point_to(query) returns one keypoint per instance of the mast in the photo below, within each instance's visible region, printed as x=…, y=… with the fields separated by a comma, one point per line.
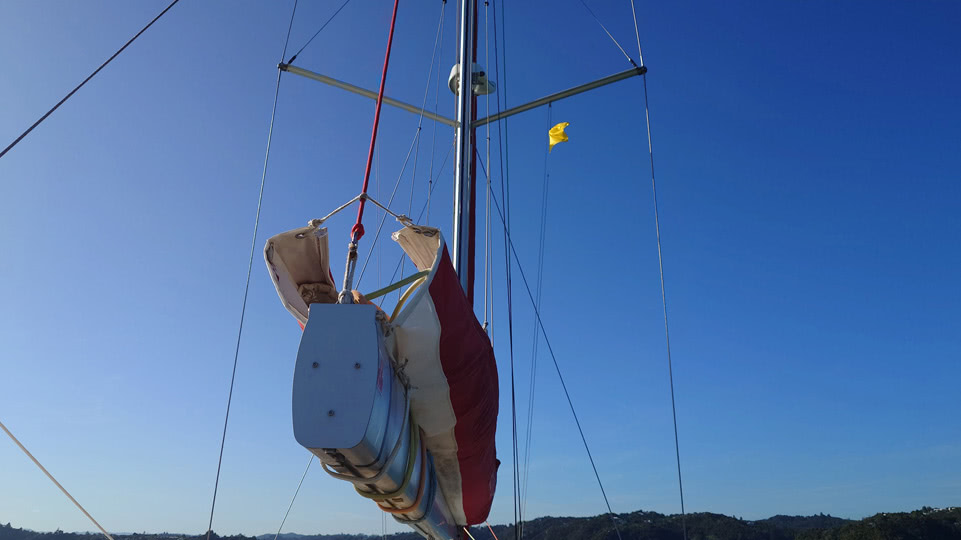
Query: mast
x=463, y=158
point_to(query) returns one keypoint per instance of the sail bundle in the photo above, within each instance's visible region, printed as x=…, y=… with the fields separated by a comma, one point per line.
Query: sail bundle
x=434, y=385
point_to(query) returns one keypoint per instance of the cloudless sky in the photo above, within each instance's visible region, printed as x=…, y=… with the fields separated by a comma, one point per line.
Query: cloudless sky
x=808, y=159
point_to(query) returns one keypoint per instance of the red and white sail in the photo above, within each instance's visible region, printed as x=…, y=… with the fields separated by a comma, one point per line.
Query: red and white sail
x=435, y=341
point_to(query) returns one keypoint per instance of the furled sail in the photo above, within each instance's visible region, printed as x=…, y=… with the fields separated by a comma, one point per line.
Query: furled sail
x=443, y=371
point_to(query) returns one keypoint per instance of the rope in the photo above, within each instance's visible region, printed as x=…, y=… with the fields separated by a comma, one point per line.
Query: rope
x=79, y=86
x=250, y=264
x=317, y=33
x=292, y=499
x=414, y=147
x=54, y=480
x=589, y=10
x=399, y=217
x=358, y=229
x=393, y=287
x=491, y=529
x=335, y=211
x=550, y=349
x=660, y=266
x=403, y=298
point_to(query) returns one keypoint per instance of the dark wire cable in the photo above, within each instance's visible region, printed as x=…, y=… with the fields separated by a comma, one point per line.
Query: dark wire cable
x=317, y=33
x=420, y=122
x=589, y=10
x=539, y=287
x=79, y=86
x=250, y=265
x=433, y=137
x=383, y=218
x=424, y=208
x=660, y=265
x=557, y=368
x=505, y=195
x=294, y=498
x=667, y=333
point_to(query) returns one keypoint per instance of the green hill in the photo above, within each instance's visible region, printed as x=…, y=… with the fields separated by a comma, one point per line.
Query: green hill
x=926, y=523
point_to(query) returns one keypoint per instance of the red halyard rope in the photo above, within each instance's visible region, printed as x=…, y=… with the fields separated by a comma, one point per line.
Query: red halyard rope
x=357, y=231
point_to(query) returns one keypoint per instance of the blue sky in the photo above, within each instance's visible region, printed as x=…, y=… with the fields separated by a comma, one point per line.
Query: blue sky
x=808, y=164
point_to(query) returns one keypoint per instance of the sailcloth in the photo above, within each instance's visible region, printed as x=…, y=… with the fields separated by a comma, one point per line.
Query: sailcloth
x=437, y=343
x=453, y=377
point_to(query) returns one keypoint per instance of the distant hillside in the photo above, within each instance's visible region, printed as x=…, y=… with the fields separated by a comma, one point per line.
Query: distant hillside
x=934, y=524
x=803, y=523
x=926, y=523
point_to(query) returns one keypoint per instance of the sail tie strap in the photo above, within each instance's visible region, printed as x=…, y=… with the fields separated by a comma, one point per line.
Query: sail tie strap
x=390, y=458
x=420, y=486
x=408, y=473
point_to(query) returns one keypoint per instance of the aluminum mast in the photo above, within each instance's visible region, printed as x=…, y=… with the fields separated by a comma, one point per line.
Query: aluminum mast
x=463, y=179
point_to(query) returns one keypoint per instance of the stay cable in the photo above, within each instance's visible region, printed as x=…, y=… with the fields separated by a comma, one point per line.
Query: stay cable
x=79, y=86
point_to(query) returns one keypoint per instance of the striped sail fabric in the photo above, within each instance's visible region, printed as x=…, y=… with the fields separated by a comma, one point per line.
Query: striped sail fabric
x=450, y=363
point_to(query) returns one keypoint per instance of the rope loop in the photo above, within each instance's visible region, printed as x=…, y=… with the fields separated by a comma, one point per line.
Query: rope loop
x=357, y=232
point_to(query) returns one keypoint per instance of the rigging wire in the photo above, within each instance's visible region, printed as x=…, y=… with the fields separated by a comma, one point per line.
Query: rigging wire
x=500, y=63
x=414, y=147
x=539, y=287
x=637, y=34
x=550, y=349
x=383, y=219
x=660, y=265
x=294, y=498
x=79, y=86
x=505, y=195
x=317, y=33
x=589, y=10
x=420, y=121
x=250, y=264
x=488, y=274
x=423, y=209
x=433, y=139
x=54, y=480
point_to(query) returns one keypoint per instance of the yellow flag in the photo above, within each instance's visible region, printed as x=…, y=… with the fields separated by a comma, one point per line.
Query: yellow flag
x=557, y=135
